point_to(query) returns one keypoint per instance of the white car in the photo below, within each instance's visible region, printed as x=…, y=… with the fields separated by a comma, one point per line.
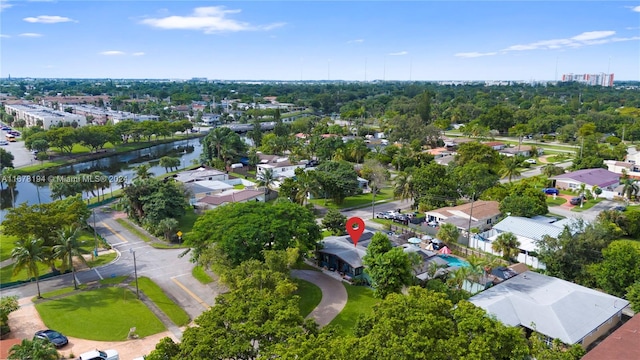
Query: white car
x=530, y=161
x=100, y=355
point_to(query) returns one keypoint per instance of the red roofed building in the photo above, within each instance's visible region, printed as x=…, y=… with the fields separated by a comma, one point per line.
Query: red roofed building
x=622, y=344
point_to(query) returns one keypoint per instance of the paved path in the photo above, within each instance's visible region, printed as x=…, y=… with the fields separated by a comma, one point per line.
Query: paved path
x=334, y=295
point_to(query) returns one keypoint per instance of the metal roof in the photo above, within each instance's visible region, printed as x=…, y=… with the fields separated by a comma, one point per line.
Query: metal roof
x=554, y=307
x=528, y=228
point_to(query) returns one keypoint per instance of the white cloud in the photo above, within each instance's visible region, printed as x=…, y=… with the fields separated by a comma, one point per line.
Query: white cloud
x=112, y=52
x=356, y=41
x=140, y=53
x=636, y=9
x=211, y=19
x=48, y=19
x=593, y=35
x=4, y=5
x=474, y=54
x=30, y=35
x=4, y=36
x=400, y=53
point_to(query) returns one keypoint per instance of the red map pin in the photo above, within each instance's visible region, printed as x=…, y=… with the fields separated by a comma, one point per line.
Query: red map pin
x=355, y=228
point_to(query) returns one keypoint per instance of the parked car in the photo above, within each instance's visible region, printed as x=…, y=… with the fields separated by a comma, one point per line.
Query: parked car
x=6, y=128
x=401, y=219
x=4, y=142
x=576, y=200
x=380, y=215
x=530, y=161
x=311, y=163
x=620, y=208
x=57, y=339
x=551, y=191
x=100, y=355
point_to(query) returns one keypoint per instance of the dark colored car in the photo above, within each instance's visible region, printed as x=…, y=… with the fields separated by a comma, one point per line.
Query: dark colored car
x=551, y=191
x=620, y=208
x=57, y=339
x=576, y=200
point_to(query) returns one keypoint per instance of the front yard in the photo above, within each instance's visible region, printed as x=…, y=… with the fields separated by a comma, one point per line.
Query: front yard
x=358, y=201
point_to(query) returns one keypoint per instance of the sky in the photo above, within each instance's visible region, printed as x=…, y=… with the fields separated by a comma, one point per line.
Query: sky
x=319, y=40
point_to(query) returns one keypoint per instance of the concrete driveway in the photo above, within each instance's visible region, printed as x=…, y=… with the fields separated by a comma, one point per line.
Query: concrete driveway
x=334, y=295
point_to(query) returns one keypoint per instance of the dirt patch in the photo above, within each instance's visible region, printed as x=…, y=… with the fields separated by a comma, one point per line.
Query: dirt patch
x=26, y=321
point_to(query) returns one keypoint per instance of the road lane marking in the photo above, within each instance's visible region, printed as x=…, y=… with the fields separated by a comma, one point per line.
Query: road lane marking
x=114, y=232
x=196, y=297
x=96, y=270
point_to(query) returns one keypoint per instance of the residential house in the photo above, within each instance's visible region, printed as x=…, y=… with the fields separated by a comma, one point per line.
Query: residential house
x=495, y=145
x=483, y=214
x=624, y=343
x=200, y=189
x=555, y=308
x=439, y=152
x=211, y=119
x=602, y=178
x=522, y=150
x=279, y=165
x=631, y=165
x=528, y=231
x=338, y=253
x=200, y=174
x=227, y=197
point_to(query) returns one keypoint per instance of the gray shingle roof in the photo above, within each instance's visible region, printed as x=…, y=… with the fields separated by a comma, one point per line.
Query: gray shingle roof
x=554, y=307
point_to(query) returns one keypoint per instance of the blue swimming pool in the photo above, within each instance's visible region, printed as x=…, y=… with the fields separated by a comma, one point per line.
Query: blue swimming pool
x=454, y=261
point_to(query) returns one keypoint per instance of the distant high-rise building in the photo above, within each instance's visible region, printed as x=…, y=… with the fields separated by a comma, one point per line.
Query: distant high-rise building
x=601, y=79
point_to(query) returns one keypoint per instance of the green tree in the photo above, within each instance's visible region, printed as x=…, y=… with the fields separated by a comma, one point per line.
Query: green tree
x=479, y=153
x=223, y=144
x=95, y=137
x=37, y=349
x=337, y=180
x=423, y=107
x=63, y=138
x=142, y=171
x=633, y=295
x=168, y=162
x=6, y=159
x=267, y=179
x=403, y=186
x=8, y=304
x=377, y=175
x=70, y=246
x=243, y=230
x=166, y=349
x=507, y=244
x=335, y=222
x=550, y=170
x=26, y=255
x=619, y=269
x=167, y=227
x=510, y=168
x=448, y=233
x=389, y=268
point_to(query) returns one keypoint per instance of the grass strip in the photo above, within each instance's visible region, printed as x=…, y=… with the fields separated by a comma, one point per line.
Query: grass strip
x=168, y=306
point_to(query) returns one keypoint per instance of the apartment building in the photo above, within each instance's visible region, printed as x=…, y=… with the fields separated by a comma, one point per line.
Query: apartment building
x=32, y=114
x=601, y=79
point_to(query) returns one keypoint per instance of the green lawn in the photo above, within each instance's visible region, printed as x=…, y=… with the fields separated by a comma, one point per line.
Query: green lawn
x=304, y=266
x=133, y=229
x=185, y=223
x=113, y=281
x=361, y=302
x=104, y=314
x=170, y=308
x=588, y=204
x=555, y=202
x=362, y=200
x=310, y=296
x=201, y=275
x=6, y=245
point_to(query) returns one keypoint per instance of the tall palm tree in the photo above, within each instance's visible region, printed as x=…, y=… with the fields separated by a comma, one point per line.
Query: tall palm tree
x=507, y=244
x=33, y=349
x=510, y=168
x=26, y=255
x=403, y=186
x=10, y=175
x=267, y=179
x=142, y=171
x=448, y=233
x=68, y=247
x=358, y=149
x=630, y=188
x=582, y=191
x=307, y=185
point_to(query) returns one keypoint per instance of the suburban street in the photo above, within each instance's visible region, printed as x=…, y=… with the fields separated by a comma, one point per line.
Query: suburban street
x=163, y=266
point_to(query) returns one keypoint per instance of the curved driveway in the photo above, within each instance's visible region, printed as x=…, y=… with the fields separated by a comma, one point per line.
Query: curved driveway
x=334, y=295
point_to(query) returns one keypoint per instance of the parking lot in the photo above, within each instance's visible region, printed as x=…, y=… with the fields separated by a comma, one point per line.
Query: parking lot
x=21, y=155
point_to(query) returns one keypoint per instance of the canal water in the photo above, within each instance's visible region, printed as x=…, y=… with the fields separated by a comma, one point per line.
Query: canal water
x=120, y=165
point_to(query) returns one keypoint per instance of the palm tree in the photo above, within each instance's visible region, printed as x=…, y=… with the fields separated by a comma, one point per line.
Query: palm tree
x=168, y=226
x=510, y=168
x=26, y=255
x=267, y=179
x=448, y=233
x=68, y=247
x=142, y=171
x=10, y=175
x=99, y=182
x=358, y=149
x=33, y=349
x=459, y=276
x=630, y=188
x=307, y=184
x=403, y=186
x=507, y=244
x=582, y=190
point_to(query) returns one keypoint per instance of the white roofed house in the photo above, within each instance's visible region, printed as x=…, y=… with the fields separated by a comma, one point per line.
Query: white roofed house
x=528, y=231
x=200, y=174
x=555, y=308
x=200, y=189
x=281, y=166
x=483, y=214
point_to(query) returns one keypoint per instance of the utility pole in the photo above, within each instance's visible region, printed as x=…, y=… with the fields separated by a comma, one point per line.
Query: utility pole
x=135, y=271
x=473, y=199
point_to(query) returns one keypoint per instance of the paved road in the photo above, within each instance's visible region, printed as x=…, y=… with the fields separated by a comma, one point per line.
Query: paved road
x=164, y=266
x=21, y=156
x=588, y=215
x=535, y=172
x=334, y=295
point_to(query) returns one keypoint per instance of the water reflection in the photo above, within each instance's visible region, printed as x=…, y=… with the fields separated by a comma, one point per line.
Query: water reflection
x=121, y=165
